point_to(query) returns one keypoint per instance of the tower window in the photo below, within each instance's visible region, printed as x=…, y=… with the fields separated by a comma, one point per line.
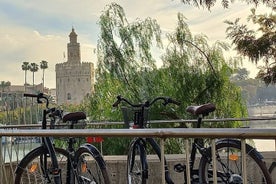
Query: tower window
x=69, y=96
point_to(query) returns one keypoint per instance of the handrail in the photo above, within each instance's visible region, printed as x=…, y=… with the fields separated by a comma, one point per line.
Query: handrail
x=109, y=123
x=241, y=133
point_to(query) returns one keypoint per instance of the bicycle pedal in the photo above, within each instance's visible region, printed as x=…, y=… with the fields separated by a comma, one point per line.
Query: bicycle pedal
x=179, y=168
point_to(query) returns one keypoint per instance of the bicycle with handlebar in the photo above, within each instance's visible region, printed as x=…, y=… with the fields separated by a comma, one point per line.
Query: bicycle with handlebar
x=50, y=164
x=228, y=154
x=137, y=165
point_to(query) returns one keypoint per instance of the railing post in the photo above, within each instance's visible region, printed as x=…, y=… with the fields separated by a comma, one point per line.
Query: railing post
x=244, y=171
x=1, y=162
x=187, y=151
x=214, y=161
x=162, y=160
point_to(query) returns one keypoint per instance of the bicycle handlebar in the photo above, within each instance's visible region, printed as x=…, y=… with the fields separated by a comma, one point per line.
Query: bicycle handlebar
x=30, y=95
x=166, y=100
x=53, y=112
x=39, y=98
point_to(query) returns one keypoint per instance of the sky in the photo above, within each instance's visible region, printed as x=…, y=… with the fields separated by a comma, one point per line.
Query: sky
x=38, y=30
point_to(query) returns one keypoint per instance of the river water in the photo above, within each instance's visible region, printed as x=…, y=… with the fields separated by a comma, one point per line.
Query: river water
x=263, y=111
x=15, y=152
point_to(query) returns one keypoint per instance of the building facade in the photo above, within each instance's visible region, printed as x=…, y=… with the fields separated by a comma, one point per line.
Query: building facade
x=74, y=79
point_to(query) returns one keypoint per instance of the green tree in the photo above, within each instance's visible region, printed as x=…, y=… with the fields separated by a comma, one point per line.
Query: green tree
x=25, y=67
x=198, y=73
x=4, y=85
x=124, y=48
x=193, y=71
x=43, y=67
x=33, y=68
x=225, y=3
x=257, y=45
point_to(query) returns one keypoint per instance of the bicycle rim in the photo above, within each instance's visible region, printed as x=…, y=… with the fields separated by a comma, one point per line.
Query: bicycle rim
x=90, y=169
x=136, y=169
x=229, y=166
x=35, y=168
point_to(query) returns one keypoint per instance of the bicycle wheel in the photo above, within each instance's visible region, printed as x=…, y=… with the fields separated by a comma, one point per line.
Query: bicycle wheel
x=229, y=164
x=272, y=171
x=137, y=169
x=90, y=166
x=32, y=169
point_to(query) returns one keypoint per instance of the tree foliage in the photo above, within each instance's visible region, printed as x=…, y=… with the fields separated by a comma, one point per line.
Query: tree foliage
x=257, y=45
x=199, y=73
x=125, y=47
x=193, y=72
x=4, y=85
x=225, y=3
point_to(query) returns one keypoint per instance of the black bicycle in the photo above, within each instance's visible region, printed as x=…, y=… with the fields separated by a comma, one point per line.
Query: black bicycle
x=137, y=165
x=50, y=164
x=228, y=154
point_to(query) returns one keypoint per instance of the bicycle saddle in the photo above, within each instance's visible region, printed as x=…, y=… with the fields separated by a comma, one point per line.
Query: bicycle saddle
x=74, y=116
x=204, y=109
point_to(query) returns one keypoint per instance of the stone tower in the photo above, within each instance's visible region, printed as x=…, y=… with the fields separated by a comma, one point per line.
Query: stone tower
x=74, y=79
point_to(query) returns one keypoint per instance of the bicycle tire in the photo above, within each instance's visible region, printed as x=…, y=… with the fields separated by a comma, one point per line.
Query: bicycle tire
x=137, y=167
x=229, y=164
x=31, y=170
x=272, y=171
x=90, y=166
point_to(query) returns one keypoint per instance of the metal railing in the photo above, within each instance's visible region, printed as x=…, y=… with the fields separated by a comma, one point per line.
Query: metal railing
x=212, y=133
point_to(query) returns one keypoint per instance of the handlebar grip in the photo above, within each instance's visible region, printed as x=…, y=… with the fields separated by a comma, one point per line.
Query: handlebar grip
x=30, y=95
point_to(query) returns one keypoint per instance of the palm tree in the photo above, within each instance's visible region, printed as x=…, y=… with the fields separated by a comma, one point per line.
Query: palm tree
x=33, y=68
x=4, y=85
x=25, y=67
x=43, y=66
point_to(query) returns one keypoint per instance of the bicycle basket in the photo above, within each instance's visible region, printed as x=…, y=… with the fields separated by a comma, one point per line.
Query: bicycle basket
x=129, y=114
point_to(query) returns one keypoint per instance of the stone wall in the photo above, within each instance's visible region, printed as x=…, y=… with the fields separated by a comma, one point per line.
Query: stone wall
x=117, y=168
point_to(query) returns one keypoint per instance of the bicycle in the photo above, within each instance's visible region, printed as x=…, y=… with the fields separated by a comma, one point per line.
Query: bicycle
x=137, y=165
x=228, y=155
x=50, y=164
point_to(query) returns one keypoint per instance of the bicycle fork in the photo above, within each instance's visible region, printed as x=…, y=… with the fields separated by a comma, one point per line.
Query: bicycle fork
x=54, y=171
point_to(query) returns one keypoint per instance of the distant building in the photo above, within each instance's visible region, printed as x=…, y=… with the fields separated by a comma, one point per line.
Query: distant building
x=74, y=79
x=20, y=89
x=11, y=96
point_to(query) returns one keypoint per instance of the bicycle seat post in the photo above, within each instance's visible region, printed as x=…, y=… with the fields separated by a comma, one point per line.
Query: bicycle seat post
x=199, y=120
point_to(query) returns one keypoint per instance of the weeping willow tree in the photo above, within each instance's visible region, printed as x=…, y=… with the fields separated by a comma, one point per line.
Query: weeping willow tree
x=193, y=71
x=199, y=73
x=124, y=54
